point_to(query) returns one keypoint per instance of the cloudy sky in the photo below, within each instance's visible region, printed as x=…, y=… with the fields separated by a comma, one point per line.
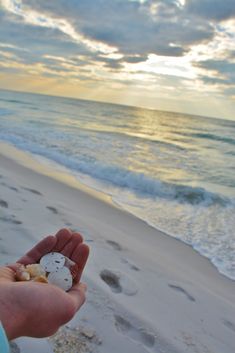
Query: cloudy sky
x=176, y=55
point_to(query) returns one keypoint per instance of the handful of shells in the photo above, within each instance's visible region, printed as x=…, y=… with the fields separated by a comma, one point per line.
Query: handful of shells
x=54, y=268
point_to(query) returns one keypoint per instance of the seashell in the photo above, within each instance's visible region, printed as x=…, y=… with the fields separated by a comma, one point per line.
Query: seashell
x=73, y=267
x=69, y=262
x=41, y=279
x=54, y=268
x=87, y=332
x=52, y=261
x=22, y=274
x=35, y=270
x=74, y=271
x=61, y=278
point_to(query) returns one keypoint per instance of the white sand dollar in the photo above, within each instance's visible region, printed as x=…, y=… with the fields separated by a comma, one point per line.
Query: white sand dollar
x=52, y=261
x=61, y=278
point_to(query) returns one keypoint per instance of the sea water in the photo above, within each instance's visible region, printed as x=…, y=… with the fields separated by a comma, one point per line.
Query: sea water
x=175, y=171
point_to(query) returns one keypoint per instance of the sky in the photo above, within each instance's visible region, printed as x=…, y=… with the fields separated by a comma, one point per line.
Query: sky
x=174, y=55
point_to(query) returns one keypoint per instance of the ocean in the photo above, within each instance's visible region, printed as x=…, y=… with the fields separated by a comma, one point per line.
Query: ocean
x=175, y=171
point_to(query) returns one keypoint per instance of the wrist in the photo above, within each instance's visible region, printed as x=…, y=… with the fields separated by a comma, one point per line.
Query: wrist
x=9, y=328
x=12, y=322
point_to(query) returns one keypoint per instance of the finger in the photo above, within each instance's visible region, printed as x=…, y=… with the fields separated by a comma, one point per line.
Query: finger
x=7, y=274
x=43, y=247
x=80, y=256
x=63, y=236
x=14, y=266
x=78, y=294
x=74, y=241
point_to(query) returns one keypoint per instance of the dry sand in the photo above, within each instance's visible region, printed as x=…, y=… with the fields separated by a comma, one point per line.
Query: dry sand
x=147, y=292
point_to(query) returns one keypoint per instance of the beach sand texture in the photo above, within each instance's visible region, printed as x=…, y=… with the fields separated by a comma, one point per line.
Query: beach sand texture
x=147, y=292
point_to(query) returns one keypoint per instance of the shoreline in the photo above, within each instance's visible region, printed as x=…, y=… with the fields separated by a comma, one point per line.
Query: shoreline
x=167, y=297
x=44, y=166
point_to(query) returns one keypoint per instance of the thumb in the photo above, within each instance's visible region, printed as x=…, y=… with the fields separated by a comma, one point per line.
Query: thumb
x=78, y=294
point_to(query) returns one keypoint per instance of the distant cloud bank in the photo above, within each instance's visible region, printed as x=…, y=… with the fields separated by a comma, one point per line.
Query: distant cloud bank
x=170, y=42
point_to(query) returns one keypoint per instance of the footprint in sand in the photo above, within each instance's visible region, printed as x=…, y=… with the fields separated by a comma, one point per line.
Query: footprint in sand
x=10, y=220
x=118, y=282
x=33, y=191
x=13, y=188
x=229, y=324
x=132, y=267
x=137, y=334
x=112, y=280
x=3, y=204
x=53, y=209
x=135, y=268
x=114, y=245
x=68, y=224
x=183, y=291
x=9, y=187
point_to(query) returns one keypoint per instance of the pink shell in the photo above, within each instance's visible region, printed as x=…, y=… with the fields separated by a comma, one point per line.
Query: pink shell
x=74, y=270
x=73, y=267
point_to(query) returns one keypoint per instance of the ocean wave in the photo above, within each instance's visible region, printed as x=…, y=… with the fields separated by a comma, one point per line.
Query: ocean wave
x=134, y=137
x=13, y=101
x=213, y=137
x=145, y=185
x=141, y=183
x=117, y=176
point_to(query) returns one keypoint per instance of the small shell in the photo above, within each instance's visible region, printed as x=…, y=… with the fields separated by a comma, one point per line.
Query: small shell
x=68, y=262
x=74, y=271
x=52, y=261
x=22, y=274
x=61, y=278
x=41, y=279
x=35, y=270
x=73, y=267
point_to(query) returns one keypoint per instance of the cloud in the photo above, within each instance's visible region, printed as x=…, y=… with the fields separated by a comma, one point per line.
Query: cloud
x=220, y=73
x=136, y=29
x=217, y=10
x=222, y=66
x=38, y=40
x=160, y=27
x=121, y=43
x=223, y=69
x=230, y=92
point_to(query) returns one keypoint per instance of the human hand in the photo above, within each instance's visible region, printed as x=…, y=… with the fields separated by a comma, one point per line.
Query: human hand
x=37, y=309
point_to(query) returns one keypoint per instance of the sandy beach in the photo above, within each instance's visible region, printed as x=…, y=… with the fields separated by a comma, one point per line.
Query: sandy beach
x=147, y=292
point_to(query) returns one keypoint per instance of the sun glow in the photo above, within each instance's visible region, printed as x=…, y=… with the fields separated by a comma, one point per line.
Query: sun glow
x=171, y=66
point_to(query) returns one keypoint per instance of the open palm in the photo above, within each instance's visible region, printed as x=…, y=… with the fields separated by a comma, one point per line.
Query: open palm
x=38, y=309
